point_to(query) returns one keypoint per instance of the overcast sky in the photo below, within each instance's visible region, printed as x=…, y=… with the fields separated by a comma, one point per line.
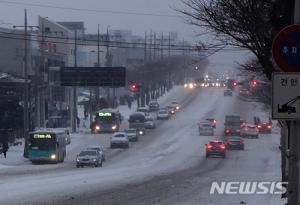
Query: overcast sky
x=11, y=13
x=139, y=24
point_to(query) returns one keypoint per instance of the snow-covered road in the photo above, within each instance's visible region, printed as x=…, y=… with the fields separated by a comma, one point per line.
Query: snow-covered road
x=170, y=156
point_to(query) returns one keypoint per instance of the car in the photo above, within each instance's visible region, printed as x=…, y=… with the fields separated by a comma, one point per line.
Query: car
x=150, y=123
x=215, y=148
x=119, y=139
x=143, y=109
x=132, y=134
x=176, y=105
x=227, y=92
x=163, y=114
x=244, y=91
x=171, y=109
x=264, y=126
x=89, y=158
x=205, y=128
x=212, y=121
x=153, y=106
x=99, y=149
x=234, y=142
x=249, y=130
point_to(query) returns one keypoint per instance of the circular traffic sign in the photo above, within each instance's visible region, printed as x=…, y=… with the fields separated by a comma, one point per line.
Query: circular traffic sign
x=286, y=48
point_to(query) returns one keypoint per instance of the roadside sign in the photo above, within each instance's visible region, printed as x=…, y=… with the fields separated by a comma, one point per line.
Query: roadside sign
x=286, y=48
x=286, y=96
x=93, y=76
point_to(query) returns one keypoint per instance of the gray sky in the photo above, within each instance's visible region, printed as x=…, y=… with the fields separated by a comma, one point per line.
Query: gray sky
x=138, y=24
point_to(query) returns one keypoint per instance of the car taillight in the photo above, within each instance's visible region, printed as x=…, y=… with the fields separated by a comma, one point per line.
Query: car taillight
x=215, y=121
x=222, y=146
x=209, y=146
x=259, y=126
x=269, y=126
x=227, y=130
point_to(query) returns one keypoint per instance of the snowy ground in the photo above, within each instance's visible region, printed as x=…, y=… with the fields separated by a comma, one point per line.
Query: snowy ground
x=167, y=166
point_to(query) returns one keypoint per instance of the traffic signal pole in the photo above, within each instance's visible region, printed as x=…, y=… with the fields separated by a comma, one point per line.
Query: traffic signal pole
x=294, y=156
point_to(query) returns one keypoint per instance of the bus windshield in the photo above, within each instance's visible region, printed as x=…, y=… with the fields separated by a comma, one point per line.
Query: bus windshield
x=43, y=141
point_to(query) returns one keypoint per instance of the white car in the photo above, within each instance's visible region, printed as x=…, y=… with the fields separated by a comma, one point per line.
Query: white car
x=143, y=109
x=119, y=139
x=132, y=134
x=249, y=130
x=205, y=128
x=163, y=114
x=175, y=105
x=150, y=123
x=99, y=149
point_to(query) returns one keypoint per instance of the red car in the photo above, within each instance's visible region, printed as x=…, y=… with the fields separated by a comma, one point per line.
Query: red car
x=215, y=148
x=265, y=127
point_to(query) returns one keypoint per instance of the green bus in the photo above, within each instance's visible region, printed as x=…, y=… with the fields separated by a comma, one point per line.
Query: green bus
x=47, y=146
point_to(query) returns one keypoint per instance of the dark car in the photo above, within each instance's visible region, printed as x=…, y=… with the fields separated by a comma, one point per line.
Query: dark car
x=89, y=158
x=234, y=142
x=227, y=92
x=215, y=148
x=263, y=126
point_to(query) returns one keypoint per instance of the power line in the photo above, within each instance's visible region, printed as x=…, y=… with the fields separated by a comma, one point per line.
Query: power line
x=87, y=42
x=89, y=10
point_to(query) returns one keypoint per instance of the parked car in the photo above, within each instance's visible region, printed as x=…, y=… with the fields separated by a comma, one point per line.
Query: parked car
x=150, y=123
x=205, y=128
x=99, y=149
x=153, y=106
x=119, y=139
x=132, y=134
x=89, y=158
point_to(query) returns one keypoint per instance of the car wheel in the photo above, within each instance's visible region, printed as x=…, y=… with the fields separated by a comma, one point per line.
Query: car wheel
x=77, y=166
x=96, y=164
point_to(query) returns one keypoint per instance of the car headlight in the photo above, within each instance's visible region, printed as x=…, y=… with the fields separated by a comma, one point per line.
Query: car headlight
x=77, y=160
x=177, y=107
x=141, y=132
x=97, y=127
x=191, y=85
x=114, y=127
x=185, y=85
x=94, y=160
x=53, y=156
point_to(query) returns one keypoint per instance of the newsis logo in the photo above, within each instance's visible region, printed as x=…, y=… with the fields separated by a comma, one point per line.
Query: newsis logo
x=248, y=187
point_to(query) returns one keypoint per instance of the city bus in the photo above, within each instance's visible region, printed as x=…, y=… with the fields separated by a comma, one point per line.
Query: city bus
x=47, y=145
x=106, y=121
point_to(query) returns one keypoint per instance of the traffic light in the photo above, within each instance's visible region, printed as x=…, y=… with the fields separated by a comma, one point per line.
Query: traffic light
x=133, y=87
x=253, y=83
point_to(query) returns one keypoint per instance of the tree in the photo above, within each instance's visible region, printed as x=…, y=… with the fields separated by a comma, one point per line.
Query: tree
x=242, y=23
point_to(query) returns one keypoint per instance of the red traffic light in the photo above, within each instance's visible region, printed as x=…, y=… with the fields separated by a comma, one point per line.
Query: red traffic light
x=133, y=87
x=234, y=83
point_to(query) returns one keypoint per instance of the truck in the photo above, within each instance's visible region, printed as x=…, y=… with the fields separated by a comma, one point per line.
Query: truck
x=232, y=125
x=137, y=121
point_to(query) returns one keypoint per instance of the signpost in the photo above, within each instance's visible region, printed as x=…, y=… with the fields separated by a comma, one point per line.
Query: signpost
x=93, y=76
x=286, y=101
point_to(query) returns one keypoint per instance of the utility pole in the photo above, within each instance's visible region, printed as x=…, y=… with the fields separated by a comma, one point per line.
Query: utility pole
x=294, y=144
x=74, y=110
x=108, y=60
x=169, y=44
x=26, y=87
x=42, y=94
x=162, y=45
x=154, y=46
